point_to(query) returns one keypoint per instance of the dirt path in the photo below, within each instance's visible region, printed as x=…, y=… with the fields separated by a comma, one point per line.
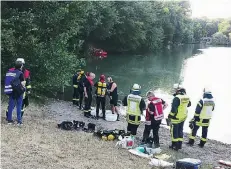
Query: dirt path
x=40, y=144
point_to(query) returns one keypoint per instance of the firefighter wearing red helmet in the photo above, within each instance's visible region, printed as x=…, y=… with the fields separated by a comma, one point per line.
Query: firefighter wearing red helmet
x=101, y=91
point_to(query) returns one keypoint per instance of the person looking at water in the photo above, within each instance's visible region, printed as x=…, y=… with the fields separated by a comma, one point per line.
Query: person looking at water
x=178, y=116
x=101, y=91
x=202, y=117
x=153, y=118
x=112, y=89
x=135, y=106
x=88, y=83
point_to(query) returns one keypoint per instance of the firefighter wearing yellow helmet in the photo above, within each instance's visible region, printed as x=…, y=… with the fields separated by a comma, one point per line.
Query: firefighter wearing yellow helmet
x=178, y=115
x=135, y=106
x=202, y=116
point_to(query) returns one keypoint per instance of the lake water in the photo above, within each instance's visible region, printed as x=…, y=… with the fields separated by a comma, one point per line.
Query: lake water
x=192, y=65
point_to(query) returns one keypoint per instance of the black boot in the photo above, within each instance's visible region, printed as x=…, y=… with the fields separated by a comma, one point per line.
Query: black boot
x=201, y=144
x=22, y=112
x=174, y=146
x=86, y=114
x=190, y=142
x=77, y=103
x=74, y=102
x=6, y=115
x=156, y=144
x=118, y=118
x=180, y=144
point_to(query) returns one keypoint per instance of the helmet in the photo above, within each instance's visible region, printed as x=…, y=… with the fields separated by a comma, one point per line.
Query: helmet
x=136, y=87
x=104, y=137
x=207, y=90
x=21, y=60
x=177, y=86
x=110, y=137
x=82, y=72
x=102, y=77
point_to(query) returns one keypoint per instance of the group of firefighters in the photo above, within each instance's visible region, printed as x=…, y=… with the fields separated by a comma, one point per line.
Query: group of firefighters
x=83, y=84
x=17, y=87
x=154, y=112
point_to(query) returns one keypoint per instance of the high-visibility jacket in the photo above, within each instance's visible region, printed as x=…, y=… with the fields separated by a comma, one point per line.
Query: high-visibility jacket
x=182, y=111
x=133, y=109
x=157, y=112
x=204, y=111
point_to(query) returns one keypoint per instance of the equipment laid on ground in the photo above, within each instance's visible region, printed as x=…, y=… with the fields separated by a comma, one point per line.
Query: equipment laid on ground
x=77, y=125
x=188, y=163
x=139, y=153
x=160, y=163
x=127, y=142
x=109, y=135
x=66, y=125
x=226, y=163
x=111, y=117
x=145, y=151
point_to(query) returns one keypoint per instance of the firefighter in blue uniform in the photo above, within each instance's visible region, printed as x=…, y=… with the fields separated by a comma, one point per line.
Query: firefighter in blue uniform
x=202, y=117
x=178, y=116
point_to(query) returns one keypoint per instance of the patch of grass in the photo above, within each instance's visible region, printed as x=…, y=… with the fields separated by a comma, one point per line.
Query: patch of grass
x=40, y=144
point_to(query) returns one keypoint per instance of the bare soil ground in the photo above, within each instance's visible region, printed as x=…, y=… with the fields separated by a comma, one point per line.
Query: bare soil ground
x=40, y=144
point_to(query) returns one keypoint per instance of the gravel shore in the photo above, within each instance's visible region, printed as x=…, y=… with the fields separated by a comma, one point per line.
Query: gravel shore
x=40, y=144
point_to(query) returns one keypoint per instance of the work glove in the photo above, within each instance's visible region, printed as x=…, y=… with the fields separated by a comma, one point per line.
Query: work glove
x=192, y=123
x=171, y=117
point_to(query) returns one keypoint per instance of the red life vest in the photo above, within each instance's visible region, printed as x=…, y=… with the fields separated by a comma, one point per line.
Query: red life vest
x=158, y=113
x=26, y=73
x=90, y=81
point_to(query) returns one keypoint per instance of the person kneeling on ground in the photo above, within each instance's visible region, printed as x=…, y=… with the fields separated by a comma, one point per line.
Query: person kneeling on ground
x=135, y=106
x=101, y=91
x=88, y=83
x=112, y=89
x=154, y=116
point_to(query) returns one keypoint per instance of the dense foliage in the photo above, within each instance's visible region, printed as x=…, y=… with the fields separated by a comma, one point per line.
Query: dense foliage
x=54, y=36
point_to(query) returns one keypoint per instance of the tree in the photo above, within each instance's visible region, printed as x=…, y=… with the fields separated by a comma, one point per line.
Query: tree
x=219, y=39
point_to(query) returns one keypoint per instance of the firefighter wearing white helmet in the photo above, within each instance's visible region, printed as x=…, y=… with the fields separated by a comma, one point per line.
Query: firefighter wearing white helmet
x=178, y=116
x=26, y=74
x=135, y=106
x=202, y=116
x=20, y=60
